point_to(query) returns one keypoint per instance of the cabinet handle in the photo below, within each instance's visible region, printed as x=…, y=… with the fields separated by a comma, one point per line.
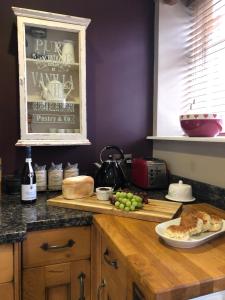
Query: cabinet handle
x=113, y=263
x=101, y=286
x=47, y=247
x=81, y=277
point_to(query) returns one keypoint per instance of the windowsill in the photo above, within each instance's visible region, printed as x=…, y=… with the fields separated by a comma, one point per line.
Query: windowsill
x=217, y=139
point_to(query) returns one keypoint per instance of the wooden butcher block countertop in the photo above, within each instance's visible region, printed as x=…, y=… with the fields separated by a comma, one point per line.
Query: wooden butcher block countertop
x=164, y=272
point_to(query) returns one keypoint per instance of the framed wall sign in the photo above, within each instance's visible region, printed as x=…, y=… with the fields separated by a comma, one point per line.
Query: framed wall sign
x=52, y=78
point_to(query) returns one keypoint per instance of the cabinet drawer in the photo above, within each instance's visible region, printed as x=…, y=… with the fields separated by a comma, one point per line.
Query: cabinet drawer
x=55, y=246
x=6, y=263
x=113, y=270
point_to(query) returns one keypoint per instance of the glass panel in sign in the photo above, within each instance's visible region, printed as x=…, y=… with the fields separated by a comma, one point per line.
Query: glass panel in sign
x=52, y=72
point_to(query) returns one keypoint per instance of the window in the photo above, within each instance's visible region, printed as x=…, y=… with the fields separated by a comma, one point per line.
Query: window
x=189, y=62
x=205, y=78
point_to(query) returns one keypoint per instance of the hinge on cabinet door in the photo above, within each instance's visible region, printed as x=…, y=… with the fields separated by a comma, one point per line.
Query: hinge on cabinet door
x=113, y=263
x=102, y=285
x=137, y=295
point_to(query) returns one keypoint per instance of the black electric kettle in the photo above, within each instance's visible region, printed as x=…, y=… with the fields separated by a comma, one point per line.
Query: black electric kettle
x=109, y=171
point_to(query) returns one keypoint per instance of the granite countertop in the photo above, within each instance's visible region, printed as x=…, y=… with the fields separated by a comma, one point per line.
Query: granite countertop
x=16, y=219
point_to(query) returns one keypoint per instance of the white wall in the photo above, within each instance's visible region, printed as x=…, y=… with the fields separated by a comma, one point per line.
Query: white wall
x=170, y=63
x=203, y=162
x=200, y=161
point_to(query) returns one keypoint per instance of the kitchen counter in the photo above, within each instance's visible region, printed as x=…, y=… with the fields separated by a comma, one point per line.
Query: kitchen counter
x=161, y=271
x=16, y=218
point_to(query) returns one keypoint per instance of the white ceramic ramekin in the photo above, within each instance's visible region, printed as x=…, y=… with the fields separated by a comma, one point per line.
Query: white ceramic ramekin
x=104, y=192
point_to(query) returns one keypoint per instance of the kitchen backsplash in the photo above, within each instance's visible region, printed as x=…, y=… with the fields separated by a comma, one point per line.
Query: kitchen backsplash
x=204, y=192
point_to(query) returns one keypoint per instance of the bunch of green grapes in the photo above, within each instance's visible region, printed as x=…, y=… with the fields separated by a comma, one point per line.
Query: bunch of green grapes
x=127, y=201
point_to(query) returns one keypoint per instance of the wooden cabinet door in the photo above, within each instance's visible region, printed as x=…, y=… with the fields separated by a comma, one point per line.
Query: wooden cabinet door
x=57, y=282
x=113, y=272
x=68, y=281
x=6, y=291
x=112, y=290
x=109, y=274
x=80, y=280
x=134, y=290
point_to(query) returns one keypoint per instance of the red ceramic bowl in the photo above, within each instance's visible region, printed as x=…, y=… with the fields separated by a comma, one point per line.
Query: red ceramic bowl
x=201, y=125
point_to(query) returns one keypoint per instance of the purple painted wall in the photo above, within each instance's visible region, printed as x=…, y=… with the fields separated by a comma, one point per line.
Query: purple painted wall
x=119, y=79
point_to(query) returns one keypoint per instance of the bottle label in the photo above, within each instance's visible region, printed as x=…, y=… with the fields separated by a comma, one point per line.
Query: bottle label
x=29, y=192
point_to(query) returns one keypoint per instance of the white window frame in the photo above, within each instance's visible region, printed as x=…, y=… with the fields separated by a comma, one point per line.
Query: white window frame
x=169, y=60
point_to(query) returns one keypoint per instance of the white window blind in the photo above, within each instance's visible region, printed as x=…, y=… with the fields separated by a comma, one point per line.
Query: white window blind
x=205, y=46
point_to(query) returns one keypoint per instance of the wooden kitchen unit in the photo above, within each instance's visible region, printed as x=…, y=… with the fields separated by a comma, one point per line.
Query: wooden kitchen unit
x=115, y=258
x=56, y=264
x=148, y=267
x=10, y=271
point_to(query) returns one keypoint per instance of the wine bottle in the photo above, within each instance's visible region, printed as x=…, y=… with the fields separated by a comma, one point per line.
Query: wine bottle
x=28, y=180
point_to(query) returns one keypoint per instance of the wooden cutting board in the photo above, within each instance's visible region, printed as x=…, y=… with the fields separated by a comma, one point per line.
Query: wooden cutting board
x=156, y=210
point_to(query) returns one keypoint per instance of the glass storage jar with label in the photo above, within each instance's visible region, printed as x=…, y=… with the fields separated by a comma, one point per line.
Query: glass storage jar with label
x=71, y=170
x=55, y=177
x=41, y=177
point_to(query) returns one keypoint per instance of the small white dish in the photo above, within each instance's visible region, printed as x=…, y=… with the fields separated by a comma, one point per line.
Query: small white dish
x=104, y=192
x=194, y=241
x=180, y=200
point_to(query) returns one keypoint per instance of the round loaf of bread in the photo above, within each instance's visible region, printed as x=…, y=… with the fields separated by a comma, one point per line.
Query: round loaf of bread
x=77, y=187
x=178, y=232
x=216, y=223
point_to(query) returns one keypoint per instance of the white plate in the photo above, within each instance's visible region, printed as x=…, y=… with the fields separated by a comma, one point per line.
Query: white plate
x=174, y=199
x=194, y=241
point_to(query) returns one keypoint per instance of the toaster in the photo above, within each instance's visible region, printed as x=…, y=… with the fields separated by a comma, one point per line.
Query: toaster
x=149, y=173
